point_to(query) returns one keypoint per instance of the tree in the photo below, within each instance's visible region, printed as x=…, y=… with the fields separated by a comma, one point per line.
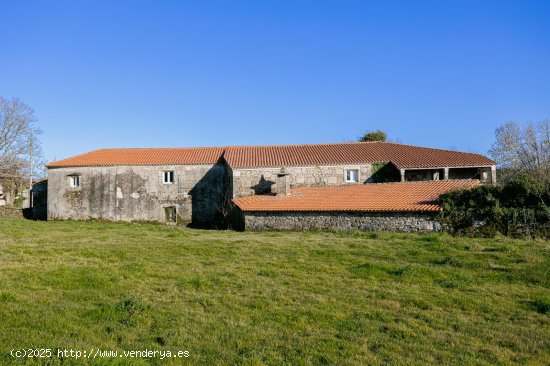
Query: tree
x=377, y=135
x=523, y=149
x=18, y=137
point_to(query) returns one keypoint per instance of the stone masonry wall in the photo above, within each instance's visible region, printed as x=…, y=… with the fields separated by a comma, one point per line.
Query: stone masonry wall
x=261, y=180
x=9, y=212
x=137, y=193
x=386, y=221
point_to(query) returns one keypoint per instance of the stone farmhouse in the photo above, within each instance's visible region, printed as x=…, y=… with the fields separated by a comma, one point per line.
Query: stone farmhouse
x=365, y=185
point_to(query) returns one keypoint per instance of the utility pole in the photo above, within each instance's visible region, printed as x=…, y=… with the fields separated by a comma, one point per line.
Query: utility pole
x=30, y=170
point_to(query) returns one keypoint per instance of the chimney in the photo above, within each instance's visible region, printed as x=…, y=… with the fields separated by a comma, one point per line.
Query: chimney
x=282, y=187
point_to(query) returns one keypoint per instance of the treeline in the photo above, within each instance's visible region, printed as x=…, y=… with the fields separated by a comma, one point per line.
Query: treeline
x=519, y=208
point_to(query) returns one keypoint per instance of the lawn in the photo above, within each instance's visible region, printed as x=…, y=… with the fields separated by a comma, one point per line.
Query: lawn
x=298, y=298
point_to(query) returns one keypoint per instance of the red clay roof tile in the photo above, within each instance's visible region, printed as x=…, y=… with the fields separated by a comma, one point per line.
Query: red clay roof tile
x=402, y=156
x=145, y=156
x=402, y=197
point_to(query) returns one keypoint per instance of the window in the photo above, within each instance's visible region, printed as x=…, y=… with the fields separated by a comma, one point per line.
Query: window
x=74, y=181
x=352, y=175
x=168, y=177
x=170, y=214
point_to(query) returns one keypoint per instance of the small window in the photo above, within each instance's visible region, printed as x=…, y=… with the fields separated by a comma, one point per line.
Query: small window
x=74, y=181
x=170, y=214
x=352, y=175
x=168, y=177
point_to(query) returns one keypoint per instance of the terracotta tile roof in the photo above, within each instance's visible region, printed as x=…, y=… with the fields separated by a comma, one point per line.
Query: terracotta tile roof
x=402, y=156
x=383, y=197
x=146, y=156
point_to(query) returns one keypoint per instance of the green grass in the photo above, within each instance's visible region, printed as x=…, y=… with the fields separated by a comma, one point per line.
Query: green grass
x=298, y=298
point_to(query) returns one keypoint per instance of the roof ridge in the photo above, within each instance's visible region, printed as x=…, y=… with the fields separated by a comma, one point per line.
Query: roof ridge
x=311, y=144
x=286, y=145
x=233, y=146
x=156, y=148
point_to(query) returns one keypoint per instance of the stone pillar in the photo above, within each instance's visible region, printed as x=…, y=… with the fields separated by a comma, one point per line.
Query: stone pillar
x=445, y=173
x=402, y=171
x=494, y=174
x=26, y=201
x=2, y=198
x=483, y=175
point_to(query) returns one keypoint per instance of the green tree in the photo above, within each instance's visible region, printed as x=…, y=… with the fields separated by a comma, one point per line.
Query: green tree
x=377, y=135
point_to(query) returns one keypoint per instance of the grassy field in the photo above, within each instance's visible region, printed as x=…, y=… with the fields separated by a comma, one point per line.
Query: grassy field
x=272, y=298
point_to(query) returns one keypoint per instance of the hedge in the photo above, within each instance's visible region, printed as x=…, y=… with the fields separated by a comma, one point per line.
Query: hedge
x=519, y=208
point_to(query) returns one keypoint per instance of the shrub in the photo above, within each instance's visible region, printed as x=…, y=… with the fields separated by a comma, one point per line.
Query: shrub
x=377, y=135
x=519, y=208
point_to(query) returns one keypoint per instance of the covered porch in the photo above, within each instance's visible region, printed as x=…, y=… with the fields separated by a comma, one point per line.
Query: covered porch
x=485, y=174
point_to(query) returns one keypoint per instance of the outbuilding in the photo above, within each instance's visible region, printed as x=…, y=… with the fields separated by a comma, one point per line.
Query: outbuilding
x=401, y=206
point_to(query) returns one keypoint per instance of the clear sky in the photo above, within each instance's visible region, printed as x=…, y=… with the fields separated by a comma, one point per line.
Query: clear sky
x=201, y=73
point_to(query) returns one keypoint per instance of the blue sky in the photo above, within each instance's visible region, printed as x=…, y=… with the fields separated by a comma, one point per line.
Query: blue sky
x=202, y=73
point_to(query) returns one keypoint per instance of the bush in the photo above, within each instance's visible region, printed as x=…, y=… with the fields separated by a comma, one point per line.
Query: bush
x=519, y=208
x=377, y=135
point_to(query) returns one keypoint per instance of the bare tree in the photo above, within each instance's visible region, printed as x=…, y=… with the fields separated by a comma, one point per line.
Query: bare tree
x=523, y=148
x=17, y=134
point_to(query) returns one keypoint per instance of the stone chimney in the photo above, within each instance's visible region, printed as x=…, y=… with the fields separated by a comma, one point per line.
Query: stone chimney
x=282, y=186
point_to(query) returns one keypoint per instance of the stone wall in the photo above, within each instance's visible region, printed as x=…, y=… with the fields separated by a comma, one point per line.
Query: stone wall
x=376, y=221
x=261, y=180
x=11, y=212
x=137, y=193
